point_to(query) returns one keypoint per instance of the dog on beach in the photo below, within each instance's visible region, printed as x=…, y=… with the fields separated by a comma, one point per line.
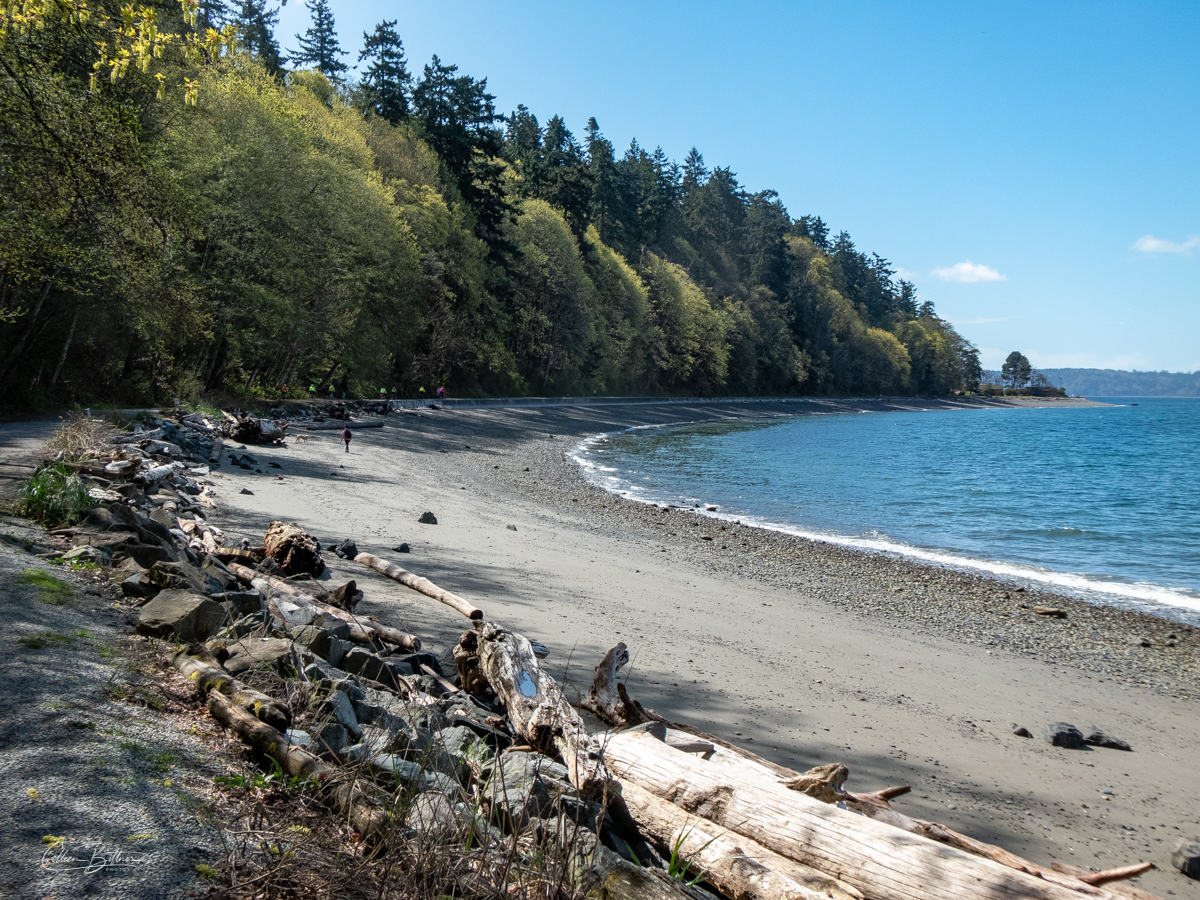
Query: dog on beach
x=301, y=437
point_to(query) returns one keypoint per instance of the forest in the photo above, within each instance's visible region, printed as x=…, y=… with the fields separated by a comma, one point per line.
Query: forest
x=191, y=208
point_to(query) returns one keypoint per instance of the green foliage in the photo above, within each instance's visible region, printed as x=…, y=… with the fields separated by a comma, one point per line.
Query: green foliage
x=54, y=497
x=1016, y=370
x=303, y=230
x=51, y=590
x=44, y=639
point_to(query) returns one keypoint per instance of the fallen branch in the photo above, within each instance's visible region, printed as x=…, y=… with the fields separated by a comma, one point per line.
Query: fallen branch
x=209, y=678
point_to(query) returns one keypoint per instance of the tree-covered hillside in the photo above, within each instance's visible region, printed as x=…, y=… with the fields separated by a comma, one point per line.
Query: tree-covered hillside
x=299, y=225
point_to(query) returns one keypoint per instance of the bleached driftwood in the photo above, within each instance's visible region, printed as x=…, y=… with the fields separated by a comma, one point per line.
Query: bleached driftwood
x=880, y=861
x=734, y=865
x=208, y=678
x=419, y=584
x=538, y=711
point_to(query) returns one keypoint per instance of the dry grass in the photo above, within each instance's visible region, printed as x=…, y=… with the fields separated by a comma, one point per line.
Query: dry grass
x=79, y=437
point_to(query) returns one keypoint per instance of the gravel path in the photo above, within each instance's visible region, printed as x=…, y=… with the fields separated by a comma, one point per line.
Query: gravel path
x=84, y=755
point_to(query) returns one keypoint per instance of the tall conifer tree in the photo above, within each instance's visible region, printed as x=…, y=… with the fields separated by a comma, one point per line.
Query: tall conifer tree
x=387, y=81
x=256, y=29
x=319, y=44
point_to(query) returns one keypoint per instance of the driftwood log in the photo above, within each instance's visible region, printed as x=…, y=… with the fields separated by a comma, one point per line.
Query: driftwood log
x=363, y=629
x=734, y=865
x=538, y=711
x=419, y=584
x=880, y=861
x=208, y=678
x=602, y=699
x=342, y=792
x=297, y=552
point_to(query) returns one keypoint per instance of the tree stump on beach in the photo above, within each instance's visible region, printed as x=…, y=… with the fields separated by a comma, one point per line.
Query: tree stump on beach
x=296, y=552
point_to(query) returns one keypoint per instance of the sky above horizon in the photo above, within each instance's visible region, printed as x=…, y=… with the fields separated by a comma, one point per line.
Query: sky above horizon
x=1031, y=167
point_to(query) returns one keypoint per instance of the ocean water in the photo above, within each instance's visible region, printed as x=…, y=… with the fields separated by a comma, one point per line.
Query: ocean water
x=1102, y=503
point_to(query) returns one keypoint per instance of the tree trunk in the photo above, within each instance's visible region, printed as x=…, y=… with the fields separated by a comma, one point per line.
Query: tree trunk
x=208, y=678
x=66, y=346
x=14, y=355
x=736, y=866
x=881, y=862
x=419, y=584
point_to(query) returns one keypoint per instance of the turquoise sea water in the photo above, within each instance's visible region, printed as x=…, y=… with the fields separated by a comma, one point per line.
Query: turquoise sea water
x=1102, y=502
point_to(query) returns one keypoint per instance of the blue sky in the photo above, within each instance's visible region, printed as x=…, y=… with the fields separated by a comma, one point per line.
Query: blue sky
x=1033, y=167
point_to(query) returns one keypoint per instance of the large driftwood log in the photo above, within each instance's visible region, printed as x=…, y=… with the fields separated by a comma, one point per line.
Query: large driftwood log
x=539, y=712
x=419, y=584
x=736, y=866
x=344, y=794
x=295, y=550
x=208, y=678
x=883, y=863
x=603, y=875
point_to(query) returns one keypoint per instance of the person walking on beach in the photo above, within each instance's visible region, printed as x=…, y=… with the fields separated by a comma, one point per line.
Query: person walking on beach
x=331, y=390
x=312, y=392
x=346, y=436
x=441, y=393
x=283, y=388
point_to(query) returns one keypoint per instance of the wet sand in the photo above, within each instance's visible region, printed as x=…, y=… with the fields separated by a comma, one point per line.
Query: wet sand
x=806, y=652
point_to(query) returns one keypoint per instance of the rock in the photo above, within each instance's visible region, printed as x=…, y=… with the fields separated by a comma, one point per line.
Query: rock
x=243, y=602
x=427, y=518
x=337, y=706
x=1050, y=612
x=182, y=615
x=403, y=548
x=432, y=811
x=1186, y=857
x=1143, y=642
x=331, y=739
x=293, y=549
x=407, y=772
x=183, y=576
x=523, y=786
x=1022, y=731
x=1062, y=734
x=146, y=555
x=215, y=569
x=270, y=567
x=298, y=737
x=297, y=615
x=88, y=554
x=1098, y=738
x=246, y=491
x=138, y=586
x=258, y=653
x=347, y=549
x=416, y=660
x=319, y=637
x=511, y=527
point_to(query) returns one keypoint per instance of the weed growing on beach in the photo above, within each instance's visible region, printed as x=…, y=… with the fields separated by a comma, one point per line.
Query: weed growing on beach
x=54, y=496
x=51, y=590
x=80, y=437
x=44, y=639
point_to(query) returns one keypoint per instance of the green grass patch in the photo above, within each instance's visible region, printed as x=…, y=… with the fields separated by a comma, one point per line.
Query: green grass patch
x=44, y=639
x=54, y=496
x=51, y=590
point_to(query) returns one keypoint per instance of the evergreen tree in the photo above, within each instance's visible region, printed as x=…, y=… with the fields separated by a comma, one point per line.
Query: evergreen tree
x=319, y=44
x=212, y=14
x=601, y=162
x=1016, y=369
x=256, y=27
x=386, y=81
x=694, y=173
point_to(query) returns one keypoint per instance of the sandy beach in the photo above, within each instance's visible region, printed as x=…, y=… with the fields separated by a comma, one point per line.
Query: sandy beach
x=806, y=652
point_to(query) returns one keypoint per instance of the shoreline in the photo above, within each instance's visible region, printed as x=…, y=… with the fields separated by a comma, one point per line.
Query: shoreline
x=806, y=652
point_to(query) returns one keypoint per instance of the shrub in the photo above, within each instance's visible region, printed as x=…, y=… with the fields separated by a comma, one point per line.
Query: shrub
x=54, y=496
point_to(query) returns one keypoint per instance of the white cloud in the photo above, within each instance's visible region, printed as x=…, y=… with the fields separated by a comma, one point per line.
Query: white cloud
x=906, y=275
x=968, y=273
x=1148, y=243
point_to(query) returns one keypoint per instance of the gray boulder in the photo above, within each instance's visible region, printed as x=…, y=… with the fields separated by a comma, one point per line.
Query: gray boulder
x=330, y=740
x=138, y=586
x=1098, y=738
x=183, y=576
x=1063, y=734
x=319, y=637
x=523, y=786
x=427, y=518
x=338, y=708
x=1186, y=857
x=181, y=615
